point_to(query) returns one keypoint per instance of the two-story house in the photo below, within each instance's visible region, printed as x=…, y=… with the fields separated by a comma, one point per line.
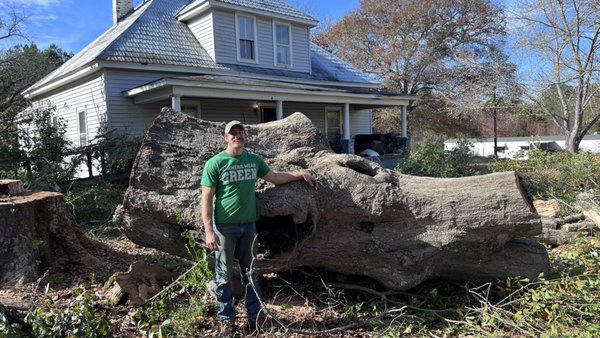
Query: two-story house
x=218, y=60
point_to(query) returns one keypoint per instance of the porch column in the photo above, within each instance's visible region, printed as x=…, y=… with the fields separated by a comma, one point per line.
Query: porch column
x=279, y=110
x=176, y=103
x=346, y=121
x=404, y=122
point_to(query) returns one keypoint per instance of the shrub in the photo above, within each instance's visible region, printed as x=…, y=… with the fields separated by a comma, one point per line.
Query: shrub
x=79, y=319
x=44, y=149
x=555, y=175
x=430, y=159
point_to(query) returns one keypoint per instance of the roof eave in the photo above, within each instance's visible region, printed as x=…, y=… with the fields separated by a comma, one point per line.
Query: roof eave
x=213, y=71
x=65, y=79
x=167, y=87
x=207, y=5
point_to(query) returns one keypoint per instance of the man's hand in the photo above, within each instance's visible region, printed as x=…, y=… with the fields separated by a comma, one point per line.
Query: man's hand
x=212, y=241
x=311, y=180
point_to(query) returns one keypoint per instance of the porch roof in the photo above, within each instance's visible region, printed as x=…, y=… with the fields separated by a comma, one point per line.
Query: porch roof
x=228, y=87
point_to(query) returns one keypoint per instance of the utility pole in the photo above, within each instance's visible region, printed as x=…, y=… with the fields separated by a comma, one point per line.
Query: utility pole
x=495, y=112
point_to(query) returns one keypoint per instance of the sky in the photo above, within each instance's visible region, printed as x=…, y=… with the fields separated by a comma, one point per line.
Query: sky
x=73, y=24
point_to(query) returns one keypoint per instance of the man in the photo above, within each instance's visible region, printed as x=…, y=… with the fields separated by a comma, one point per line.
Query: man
x=228, y=199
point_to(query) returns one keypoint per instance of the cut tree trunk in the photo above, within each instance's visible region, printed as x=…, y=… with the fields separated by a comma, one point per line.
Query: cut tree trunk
x=37, y=232
x=400, y=230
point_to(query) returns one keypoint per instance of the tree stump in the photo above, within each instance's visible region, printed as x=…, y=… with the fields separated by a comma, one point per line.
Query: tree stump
x=37, y=231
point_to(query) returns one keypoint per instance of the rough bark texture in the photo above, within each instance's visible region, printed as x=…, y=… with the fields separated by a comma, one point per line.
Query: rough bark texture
x=37, y=231
x=365, y=220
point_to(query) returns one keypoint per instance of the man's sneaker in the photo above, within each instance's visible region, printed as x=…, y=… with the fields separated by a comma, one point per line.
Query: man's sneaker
x=227, y=330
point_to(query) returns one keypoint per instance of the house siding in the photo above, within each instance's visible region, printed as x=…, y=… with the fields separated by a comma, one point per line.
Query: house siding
x=225, y=42
x=361, y=122
x=300, y=48
x=202, y=28
x=87, y=95
x=227, y=110
x=126, y=116
x=315, y=112
x=264, y=27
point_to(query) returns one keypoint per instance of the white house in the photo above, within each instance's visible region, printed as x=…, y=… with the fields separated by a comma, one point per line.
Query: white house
x=219, y=60
x=517, y=147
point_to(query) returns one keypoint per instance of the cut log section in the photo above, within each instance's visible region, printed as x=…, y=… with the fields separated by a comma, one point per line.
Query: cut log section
x=400, y=230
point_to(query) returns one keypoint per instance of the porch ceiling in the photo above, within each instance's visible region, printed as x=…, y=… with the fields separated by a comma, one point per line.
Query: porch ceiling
x=227, y=87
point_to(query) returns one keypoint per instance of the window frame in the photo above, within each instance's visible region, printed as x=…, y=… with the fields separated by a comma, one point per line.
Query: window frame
x=238, y=16
x=83, y=132
x=334, y=110
x=276, y=44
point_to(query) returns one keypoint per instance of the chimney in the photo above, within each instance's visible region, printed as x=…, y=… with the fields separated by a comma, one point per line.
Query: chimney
x=120, y=9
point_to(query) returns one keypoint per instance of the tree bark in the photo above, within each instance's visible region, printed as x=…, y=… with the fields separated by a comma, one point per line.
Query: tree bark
x=38, y=232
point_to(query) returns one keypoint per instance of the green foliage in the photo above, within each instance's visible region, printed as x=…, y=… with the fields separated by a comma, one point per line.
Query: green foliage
x=9, y=330
x=79, y=319
x=44, y=148
x=558, y=175
x=430, y=159
x=20, y=67
x=94, y=203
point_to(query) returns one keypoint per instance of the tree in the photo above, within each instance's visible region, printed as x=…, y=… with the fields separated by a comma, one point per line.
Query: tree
x=563, y=37
x=11, y=22
x=446, y=51
x=20, y=67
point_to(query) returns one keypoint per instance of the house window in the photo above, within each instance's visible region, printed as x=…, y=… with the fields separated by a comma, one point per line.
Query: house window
x=83, y=137
x=283, y=47
x=246, y=32
x=334, y=127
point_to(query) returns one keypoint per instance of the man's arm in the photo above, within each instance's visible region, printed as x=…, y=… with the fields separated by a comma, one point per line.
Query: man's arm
x=286, y=177
x=210, y=238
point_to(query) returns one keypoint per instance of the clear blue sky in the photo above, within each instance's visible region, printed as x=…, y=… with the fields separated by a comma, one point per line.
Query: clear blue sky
x=73, y=24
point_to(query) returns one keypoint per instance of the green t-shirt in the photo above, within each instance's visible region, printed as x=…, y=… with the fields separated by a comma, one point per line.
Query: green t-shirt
x=234, y=178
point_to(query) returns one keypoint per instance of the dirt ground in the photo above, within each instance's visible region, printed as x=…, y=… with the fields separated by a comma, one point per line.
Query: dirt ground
x=304, y=313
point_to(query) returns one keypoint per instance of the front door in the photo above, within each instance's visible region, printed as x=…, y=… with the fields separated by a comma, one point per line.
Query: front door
x=268, y=114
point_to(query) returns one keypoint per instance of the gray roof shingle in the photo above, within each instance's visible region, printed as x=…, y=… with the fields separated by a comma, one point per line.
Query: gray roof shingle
x=272, y=6
x=153, y=35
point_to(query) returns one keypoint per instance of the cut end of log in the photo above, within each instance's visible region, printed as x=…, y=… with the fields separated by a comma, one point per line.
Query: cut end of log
x=528, y=200
x=11, y=188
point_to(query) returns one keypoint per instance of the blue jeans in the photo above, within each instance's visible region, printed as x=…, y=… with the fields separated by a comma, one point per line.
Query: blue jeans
x=236, y=241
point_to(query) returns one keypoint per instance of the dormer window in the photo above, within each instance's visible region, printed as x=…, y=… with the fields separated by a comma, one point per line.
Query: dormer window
x=246, y=36
x=282, y=44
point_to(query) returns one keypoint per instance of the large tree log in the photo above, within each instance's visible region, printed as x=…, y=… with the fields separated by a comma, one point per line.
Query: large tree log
x=365, y=220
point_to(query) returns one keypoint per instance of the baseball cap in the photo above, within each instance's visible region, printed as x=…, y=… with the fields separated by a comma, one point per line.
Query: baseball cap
x=233, y=123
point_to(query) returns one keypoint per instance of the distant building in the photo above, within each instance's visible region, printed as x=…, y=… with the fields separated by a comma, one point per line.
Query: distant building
x=518, y=147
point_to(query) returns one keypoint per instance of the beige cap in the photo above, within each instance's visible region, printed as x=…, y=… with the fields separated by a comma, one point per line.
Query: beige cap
x=233, y=123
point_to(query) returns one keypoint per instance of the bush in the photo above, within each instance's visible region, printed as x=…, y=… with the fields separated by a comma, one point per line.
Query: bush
x=559, y=175
x=430, y=159
x=79, y=319
x=44, y=150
